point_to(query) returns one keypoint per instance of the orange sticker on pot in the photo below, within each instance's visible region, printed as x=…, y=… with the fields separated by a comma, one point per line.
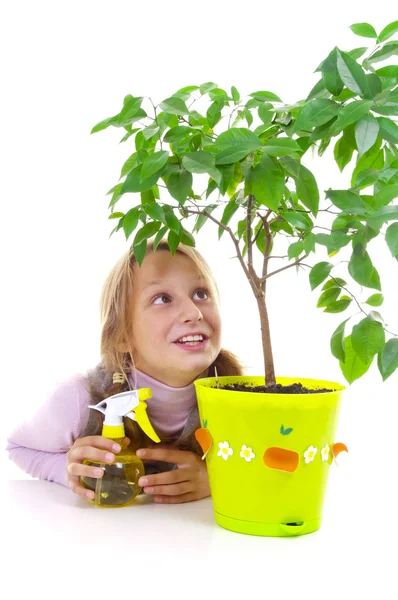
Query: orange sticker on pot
x=281, y=459
x=337, y=448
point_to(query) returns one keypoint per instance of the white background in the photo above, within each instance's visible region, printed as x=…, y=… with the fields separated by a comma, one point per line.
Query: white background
x=67, y=66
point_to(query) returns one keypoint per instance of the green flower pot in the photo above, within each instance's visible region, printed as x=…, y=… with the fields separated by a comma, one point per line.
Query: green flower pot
x=270, y=456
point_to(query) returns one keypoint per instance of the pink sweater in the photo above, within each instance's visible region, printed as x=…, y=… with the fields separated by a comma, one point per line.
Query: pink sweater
x=39, y=446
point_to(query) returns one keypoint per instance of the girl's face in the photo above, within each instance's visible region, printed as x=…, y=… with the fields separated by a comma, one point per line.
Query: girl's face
x=170, y=301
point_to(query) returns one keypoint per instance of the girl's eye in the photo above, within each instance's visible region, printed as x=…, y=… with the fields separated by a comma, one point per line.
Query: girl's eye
x=160, y=296
x=201, y=291
x=207, y=293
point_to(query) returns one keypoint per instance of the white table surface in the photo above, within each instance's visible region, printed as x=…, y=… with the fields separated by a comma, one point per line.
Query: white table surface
x=58, y=545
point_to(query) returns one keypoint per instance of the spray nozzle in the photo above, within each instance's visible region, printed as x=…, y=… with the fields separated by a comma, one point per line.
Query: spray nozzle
x=126, y=404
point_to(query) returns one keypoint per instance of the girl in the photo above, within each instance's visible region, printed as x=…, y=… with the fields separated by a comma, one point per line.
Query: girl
x=147, y=313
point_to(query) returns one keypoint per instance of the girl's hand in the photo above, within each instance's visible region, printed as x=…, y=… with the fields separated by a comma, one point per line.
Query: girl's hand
x=189, y=482
x=96, y=448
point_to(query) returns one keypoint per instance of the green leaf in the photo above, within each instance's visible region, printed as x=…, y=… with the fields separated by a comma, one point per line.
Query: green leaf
x=130, y=163
x=330, y=74
x=318, y=273
x=387, y=213
x=388, y=130
x=375, y=300
x=171, y=220
x=385, y=195
x=154, y=163
x=364, y=30
x=235, y=94
x=179, y=185
x=130, y=221
x=392, y=239
x=366, y=132
x=334, y=282
x=342, y=153
x=337, y=342
x=265, y=96
x=228, y=213
x=374, y=85
x=388, y=359
x=295, y=250
x=307, y=189
x=173, y=240
x=339, y=306
x=152, y=208
x=238, y=136
x=207, y=87
x=361, y=268
x=146, y=232
x=315, y=113
x=176, y=134
x=351, y=113
x=353, y=368
x=134, y=183
x=268, y=182
x=105, y=123
x=388, y=50
x=131, y=106
x=159, y=236
x=346, y=200
x=333, y=241
x=213, y=113
x=389, y=72
x=201, y=162
x=201, y=219
x=388, y=31
x=367, y=339
x=281, y=147
x=174, y=106
x=372, y=159
x=235, y=144
x=187, y=238
x=140, y=252
x=298, y=220
x=351, y=73
x=357, y=52
x=265, y=112
x=328, y=296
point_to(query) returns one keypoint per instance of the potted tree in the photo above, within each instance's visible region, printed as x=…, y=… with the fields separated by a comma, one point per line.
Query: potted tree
x=276, y=434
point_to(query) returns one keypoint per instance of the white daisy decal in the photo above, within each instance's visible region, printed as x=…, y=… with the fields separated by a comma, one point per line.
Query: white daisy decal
x=225, y=451
x=325, y=453
x=247, y=453
x=310, y=454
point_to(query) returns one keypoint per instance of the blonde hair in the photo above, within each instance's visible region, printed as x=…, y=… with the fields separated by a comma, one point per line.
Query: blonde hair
x=116, y=322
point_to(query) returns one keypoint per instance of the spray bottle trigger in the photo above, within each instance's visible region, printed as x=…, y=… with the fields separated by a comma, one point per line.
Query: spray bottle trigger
x=96, y=406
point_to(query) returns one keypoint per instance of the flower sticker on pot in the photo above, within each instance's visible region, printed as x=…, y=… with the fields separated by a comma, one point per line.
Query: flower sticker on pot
x=225, y=451
x=247, y=453
x=310, y=454
x=325, y=452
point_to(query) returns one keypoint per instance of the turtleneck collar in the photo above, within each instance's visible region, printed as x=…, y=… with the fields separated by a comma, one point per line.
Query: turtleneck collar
x=169, y=407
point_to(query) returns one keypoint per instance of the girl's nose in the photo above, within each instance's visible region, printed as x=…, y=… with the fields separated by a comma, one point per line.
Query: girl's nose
x=190, y=312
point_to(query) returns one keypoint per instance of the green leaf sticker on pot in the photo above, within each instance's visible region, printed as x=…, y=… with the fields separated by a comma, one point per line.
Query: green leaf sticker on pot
x=285, y=431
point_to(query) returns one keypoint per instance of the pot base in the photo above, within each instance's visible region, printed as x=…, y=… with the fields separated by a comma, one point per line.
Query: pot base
x=267, y=529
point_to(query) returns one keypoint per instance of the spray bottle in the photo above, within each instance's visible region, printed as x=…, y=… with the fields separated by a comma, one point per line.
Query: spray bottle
x=119, y=484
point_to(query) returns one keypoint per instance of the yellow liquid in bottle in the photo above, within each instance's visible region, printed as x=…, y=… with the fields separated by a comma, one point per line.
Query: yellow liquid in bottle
x=119, y=484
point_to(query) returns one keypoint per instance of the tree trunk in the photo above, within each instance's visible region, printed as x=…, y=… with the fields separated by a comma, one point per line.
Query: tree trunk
x=266, y=341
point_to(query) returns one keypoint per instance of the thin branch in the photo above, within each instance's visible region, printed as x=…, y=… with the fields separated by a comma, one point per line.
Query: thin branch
x=235, y=241
x=298, y=261
x=360, y=307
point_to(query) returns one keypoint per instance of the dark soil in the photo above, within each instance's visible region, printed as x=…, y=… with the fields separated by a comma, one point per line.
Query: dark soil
x=295, y=388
